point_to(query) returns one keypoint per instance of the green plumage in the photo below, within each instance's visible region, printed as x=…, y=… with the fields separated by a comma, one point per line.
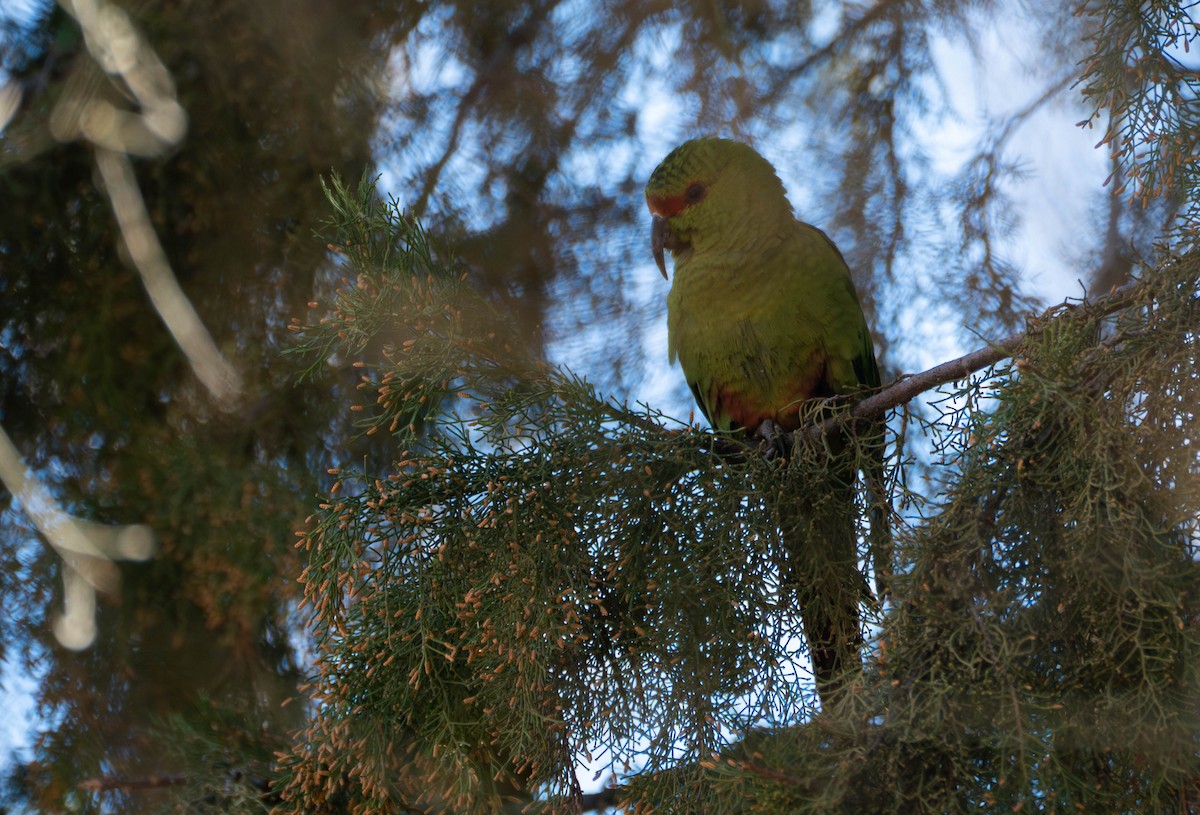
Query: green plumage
x=762, y=313
x=763, y=317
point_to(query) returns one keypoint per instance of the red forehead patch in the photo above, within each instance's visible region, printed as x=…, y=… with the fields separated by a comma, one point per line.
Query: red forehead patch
x=666, y=206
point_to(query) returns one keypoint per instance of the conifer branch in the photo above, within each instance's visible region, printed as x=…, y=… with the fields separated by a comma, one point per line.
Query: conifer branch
x=907, y=388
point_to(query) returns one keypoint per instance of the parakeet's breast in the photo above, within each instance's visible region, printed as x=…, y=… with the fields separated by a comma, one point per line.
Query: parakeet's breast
x=748, y=345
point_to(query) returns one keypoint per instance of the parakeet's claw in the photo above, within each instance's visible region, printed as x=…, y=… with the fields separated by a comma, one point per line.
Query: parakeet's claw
x=773, y=439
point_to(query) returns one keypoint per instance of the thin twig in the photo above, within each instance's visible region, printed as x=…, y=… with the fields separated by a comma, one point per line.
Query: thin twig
x=839, y=41
x=107, y=783
x=604, y=799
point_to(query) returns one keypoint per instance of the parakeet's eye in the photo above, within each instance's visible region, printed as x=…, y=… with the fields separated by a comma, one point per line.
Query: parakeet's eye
x=695, y=192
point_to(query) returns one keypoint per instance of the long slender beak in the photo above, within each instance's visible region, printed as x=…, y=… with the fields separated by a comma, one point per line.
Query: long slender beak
x=658, y=242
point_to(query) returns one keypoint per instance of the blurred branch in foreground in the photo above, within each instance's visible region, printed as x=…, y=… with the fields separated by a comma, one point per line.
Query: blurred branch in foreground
x=87, y=549
x=169, y=299
x=159, y=124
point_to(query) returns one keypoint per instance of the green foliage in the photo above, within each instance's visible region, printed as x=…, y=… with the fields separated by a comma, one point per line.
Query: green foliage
x=229, y=760
x=519, y=132
x=1045, y=643
x=105, y=408
x=1141, y=71
x=552, y=574
x=527, y=583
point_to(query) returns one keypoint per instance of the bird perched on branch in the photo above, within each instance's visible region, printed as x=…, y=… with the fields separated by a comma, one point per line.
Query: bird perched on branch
x=764, y=318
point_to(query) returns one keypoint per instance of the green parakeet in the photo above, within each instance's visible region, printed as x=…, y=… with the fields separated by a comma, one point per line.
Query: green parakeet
x=763, y=317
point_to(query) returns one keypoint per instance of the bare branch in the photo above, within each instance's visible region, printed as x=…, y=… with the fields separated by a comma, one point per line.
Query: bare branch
x=604, y=799
x=87, y=549
x=908, y=388
x=433, y=175
x=169, y=299
x=837, y=43
x=105, y=783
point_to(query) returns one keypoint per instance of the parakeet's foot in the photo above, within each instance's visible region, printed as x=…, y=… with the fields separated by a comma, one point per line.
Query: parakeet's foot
x=773, y=440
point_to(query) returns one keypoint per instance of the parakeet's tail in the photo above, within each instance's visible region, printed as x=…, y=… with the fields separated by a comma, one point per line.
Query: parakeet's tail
x=880, y=513
x=831, y=627
x=820, y=534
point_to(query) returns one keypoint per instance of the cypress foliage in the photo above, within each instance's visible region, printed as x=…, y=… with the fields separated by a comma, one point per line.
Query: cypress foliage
x=543, y=573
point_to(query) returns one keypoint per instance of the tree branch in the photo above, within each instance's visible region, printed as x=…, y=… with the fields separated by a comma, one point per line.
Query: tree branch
x=604, y=799
x=106, y=783
x=906, y=389
x=844, y=38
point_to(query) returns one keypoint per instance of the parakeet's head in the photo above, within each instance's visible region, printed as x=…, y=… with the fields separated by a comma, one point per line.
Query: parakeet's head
x=707, y=191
